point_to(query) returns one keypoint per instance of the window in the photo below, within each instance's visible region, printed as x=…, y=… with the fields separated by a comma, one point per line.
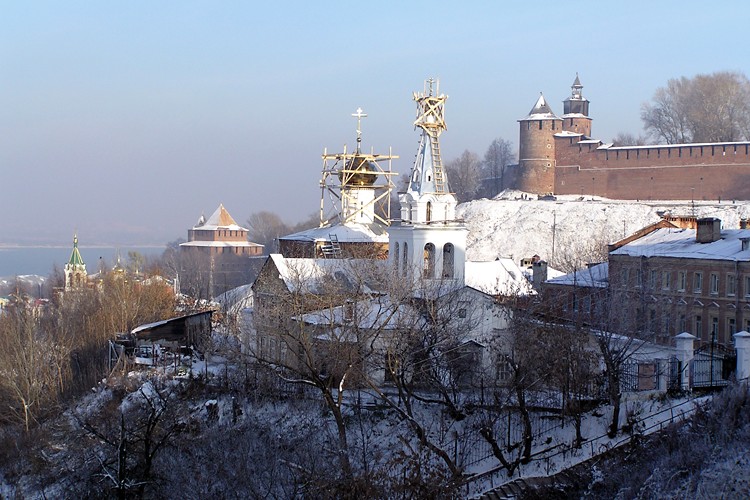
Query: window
x=652, y=280
x=698, y=324
x=405, y=260
x=638, y=278
x=731, y=326
x=396, y=256
x=697, y=282
x=731, y=285
x=681, y=281
x=448, y=260
x=429, y=211
x=714, y=284
x=714, y=327
x=666, y=280
x=747, y=286
x=625, y=277
x=651, y=320
x=428, y=264
x=462, y=313
x=504, y=371
x=683, y=323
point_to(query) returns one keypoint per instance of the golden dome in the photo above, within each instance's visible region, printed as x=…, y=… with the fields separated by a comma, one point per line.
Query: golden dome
x=359, y=171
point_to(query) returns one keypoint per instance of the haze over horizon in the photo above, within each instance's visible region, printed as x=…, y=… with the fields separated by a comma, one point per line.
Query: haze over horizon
x=126, y=122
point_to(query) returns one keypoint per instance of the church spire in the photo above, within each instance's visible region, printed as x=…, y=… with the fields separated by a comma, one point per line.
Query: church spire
x=75, y=269
x=428, y=175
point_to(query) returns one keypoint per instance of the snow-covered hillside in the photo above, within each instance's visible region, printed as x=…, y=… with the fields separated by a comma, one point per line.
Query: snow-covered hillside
x=511, y=226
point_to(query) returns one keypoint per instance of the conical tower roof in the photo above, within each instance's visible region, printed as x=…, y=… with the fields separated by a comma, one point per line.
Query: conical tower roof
x=75, y=256
x=541, y=111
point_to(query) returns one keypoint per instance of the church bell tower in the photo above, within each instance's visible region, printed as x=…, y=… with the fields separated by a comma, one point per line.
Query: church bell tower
x=428, y=243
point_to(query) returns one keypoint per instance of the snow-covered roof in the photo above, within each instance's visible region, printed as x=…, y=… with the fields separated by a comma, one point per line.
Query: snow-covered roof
x=690, y=144
x=377, y=313
x=309, y=273
x=220, y=244
x=497, y=277
x=568, y=133
x=350, y=232
x=540, y=111
x=220, y=219
x=596, y=276
x=575, y=115
x=681, y=243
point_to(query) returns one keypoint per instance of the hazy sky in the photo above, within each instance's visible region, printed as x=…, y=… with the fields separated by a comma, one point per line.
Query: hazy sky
x=125, y=121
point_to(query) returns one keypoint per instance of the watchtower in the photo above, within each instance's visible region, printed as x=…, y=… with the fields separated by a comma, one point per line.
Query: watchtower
x=536, y=149
x=576, y=111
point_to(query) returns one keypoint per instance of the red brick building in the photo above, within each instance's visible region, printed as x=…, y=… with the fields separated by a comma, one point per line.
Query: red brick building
x=558, y=156
x=217, y=254
x=674, y=279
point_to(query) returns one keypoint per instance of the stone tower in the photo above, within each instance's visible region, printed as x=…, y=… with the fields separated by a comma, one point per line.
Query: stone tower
x=576, y=111
x=428, y=244
x=536, y=149
x=75, y=269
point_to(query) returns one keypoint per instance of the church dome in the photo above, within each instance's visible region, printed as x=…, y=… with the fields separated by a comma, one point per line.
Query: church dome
x=359, y=171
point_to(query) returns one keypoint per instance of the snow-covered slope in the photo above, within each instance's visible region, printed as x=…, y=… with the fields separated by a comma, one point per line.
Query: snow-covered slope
x=510, y=226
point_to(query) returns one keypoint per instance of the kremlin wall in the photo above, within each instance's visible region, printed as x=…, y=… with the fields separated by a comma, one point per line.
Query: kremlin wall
x=558, y=156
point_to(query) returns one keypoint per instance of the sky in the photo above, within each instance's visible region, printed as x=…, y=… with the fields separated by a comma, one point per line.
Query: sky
x=125, y=121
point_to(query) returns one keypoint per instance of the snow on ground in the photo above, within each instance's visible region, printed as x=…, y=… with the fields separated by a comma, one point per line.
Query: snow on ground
x=553, y=452
x=509, y=226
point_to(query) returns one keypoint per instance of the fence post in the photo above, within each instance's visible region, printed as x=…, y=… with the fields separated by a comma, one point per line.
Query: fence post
x=685, y=353
x=742, y=344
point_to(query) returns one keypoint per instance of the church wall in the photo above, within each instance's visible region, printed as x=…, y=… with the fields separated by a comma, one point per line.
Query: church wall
x=700, y=172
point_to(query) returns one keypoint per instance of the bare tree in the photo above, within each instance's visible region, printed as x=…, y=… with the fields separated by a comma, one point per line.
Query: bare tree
x=32, y=363
x=628, y=139
x=498, y=156
x=464, y=176
x=705, y=108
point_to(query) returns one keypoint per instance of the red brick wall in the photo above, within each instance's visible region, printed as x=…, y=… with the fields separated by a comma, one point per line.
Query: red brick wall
x=707, y=172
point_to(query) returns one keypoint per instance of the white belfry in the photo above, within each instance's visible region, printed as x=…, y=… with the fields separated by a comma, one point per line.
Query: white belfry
x=429, y=244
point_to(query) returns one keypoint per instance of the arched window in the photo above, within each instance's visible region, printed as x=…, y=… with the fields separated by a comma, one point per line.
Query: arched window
x=405, y=260
x=428, y=266
x=429, y=211
x=396, y=256
x=448, y=266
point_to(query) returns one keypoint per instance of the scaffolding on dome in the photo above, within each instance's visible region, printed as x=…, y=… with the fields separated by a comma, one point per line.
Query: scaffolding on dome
x=351, y=187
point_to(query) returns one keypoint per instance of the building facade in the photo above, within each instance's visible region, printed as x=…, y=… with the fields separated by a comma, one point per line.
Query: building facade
x=675, y=280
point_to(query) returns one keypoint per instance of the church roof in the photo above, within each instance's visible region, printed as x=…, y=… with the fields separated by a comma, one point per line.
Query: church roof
x=350, y=232
x=541, y=111
x=75, y=256
x=220, y=219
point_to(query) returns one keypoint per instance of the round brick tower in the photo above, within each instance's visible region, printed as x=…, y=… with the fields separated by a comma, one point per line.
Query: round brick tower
x=536, y=149
x=576, y=111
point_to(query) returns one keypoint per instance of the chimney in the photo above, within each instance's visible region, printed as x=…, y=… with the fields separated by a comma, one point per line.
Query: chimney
x=538, y=273
x=709, y=230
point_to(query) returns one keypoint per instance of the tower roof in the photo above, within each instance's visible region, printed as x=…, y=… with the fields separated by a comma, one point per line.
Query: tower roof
x=220, y=219
x=541, y=111
x=75, y=256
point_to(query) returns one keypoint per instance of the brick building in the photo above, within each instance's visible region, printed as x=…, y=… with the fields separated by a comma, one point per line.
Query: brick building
x=558, y=156
x=676, y=279
x=218, y=249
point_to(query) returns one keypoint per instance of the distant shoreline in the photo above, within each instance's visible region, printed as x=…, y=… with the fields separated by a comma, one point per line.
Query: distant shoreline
x=11, y=246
